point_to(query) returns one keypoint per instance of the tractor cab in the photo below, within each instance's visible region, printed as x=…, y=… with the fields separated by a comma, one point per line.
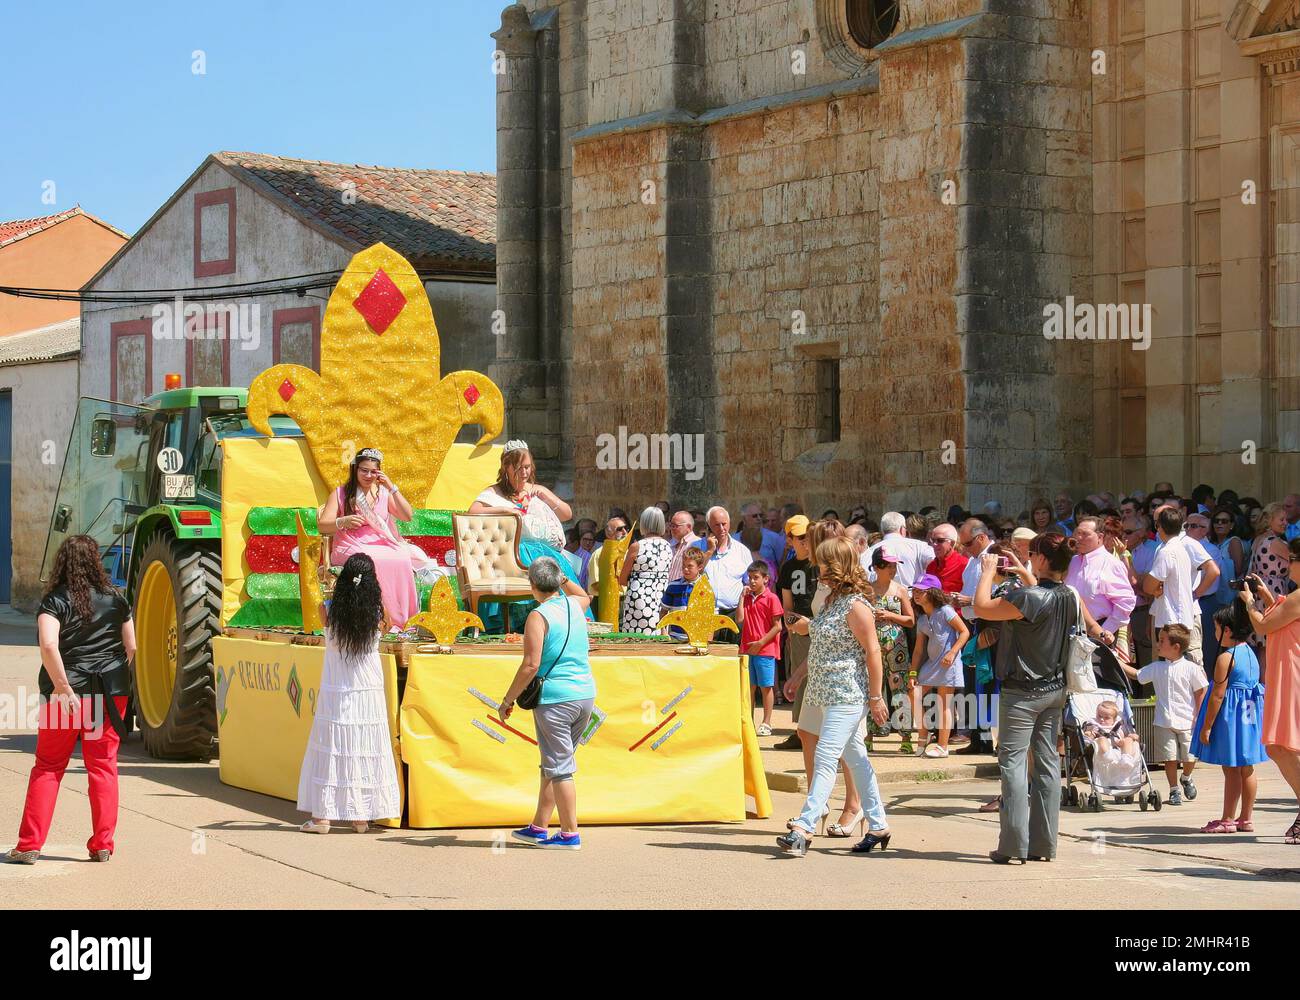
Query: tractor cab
x=145, y=482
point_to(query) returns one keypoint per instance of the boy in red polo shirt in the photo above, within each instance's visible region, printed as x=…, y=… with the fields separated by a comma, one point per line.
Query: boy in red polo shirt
x=760, y=615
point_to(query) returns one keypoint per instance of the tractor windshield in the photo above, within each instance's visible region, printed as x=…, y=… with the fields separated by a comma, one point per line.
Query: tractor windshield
x=102, y=488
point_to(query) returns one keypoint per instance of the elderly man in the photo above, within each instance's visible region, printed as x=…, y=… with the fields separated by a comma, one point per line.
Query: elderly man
x=1292, y=504
x=913, y=554
x=1102, y=580
x=949, y=563
x=681, y=536
x=772, y=521
x=975, y=539
x=728, y=567
x=773, y=546
x=1064, y=506
x=857, y=534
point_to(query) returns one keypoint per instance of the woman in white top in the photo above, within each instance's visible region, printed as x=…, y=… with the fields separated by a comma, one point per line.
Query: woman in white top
x=541, y=513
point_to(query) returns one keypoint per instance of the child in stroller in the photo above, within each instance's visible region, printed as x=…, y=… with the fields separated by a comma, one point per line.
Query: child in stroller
x=1115, y=745
x=1102, y=746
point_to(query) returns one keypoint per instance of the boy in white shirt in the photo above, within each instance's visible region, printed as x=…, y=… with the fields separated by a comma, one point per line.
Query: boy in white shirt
x=1179, y=685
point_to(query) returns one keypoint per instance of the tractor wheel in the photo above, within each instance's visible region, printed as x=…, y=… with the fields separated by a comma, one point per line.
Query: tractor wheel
x=177, y=612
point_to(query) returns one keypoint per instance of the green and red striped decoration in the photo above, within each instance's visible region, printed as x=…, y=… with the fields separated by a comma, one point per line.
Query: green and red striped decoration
x=272, y=583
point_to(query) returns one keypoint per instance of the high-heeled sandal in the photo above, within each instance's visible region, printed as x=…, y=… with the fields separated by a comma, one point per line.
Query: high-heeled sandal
x=846, y=830
x=826, y=811
x=871, y=840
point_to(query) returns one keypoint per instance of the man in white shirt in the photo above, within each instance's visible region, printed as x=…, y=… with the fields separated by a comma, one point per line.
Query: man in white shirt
x=728, y=567
x=1171, y=581
x=913, y=554
x=975, y=540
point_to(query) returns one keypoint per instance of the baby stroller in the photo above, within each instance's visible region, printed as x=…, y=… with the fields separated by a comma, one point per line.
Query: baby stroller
x=1122, y=786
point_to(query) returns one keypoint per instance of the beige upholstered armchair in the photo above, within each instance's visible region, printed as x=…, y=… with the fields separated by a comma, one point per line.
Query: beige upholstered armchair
x=487, y=559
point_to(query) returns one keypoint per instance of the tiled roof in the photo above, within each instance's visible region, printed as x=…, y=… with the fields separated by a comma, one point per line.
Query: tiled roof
x=11, y=232
x=431, y=217
x=45, y=343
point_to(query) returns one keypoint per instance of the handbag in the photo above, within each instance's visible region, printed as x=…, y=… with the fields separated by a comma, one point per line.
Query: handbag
x=1079, y=675
x=532, y=694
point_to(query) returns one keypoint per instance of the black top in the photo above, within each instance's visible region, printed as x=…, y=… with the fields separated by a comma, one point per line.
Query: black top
x=798, y=576
x=90, y=647
x=1031, y=650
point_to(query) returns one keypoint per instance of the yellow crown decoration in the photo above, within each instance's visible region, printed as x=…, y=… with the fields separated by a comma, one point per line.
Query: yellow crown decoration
x=699, y=619
x=443, y=619
x=379, y=384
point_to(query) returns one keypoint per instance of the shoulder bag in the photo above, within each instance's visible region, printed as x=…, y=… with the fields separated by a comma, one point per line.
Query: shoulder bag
x=1079, y=676
x=531, y=695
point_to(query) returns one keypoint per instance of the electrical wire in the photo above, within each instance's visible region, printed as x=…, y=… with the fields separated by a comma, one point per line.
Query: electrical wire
x=213, y=293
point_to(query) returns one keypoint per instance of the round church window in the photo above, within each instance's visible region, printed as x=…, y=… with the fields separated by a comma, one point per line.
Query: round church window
x=871, y=21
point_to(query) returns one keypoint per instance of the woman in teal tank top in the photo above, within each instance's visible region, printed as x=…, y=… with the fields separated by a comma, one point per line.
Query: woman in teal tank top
x=555, y=650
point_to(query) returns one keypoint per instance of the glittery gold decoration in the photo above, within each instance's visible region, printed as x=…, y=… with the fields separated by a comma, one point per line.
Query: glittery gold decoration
x=611, y=564
x=308, y=582
x=379, y=385
x=444, y=619
x=699, y=619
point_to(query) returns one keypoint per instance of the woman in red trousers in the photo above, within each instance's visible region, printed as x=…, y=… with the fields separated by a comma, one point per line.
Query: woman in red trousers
x=87, y=639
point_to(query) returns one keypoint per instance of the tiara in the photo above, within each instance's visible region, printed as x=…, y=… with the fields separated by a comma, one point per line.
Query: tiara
x=368, y=453
x=515, y=445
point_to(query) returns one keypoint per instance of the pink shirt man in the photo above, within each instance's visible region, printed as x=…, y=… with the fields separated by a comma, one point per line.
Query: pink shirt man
x=1102, y=582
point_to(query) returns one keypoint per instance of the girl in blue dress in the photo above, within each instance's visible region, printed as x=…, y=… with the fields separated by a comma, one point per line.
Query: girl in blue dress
x=1227, y=730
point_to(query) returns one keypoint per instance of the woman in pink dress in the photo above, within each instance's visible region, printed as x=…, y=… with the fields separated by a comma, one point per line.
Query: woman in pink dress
x=1280, y=625
x=360, y=516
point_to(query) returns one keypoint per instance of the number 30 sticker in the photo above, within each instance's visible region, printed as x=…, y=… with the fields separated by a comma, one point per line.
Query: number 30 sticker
x=170, y=461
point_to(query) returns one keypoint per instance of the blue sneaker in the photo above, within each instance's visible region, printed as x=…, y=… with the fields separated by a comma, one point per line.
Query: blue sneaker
x=529, y=835
x=571, y=842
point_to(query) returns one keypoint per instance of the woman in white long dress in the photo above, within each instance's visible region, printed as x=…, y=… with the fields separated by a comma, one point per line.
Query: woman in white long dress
x=348, y=773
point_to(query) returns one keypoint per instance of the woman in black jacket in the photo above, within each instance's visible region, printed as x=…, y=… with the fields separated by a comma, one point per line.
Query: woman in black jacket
x=1031, y=669
x=87, y=639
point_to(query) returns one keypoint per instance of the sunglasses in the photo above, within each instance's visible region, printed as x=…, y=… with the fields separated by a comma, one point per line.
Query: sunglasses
x=939, y=541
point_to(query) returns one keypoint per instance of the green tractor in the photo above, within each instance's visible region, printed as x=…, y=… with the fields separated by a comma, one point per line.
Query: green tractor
x=145, y=482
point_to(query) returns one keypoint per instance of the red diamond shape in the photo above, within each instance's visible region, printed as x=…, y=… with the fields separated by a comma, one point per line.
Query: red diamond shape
x=287, y=389
x=380, y=302
x=471, y=394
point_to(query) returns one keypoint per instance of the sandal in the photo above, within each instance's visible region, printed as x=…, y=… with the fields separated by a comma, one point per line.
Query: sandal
x=1245, y=826
x=1292, y=835
x=992, y=806
x=1219, y=826
x=361, y=826
x=311, y=826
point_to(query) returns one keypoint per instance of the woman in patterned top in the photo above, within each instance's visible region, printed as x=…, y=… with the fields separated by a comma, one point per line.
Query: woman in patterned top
x=645, y=573
x=844, y=678
x=1269, y=558
x=892, y=605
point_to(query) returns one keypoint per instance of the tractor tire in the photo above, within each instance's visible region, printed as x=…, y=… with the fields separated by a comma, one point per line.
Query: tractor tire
x=177, y=609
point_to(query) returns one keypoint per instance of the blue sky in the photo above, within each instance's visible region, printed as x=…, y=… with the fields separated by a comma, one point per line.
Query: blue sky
x=100, y=98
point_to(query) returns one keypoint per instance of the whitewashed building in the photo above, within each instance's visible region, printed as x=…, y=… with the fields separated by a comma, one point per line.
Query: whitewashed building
x=247, y=218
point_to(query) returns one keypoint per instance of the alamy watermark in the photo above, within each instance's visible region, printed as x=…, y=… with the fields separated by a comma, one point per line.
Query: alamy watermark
x=181, y=320
x=1102, y=321
x=651, y=451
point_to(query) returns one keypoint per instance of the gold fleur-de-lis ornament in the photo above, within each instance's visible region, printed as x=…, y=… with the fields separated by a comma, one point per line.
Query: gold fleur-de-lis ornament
x=443, y=619
x=699, y=619
x=379, y=384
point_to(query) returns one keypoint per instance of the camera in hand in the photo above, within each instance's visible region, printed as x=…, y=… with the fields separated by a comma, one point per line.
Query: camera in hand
x=1241, y=583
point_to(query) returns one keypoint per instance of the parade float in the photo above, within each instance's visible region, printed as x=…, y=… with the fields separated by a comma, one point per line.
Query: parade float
x=230, y=641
